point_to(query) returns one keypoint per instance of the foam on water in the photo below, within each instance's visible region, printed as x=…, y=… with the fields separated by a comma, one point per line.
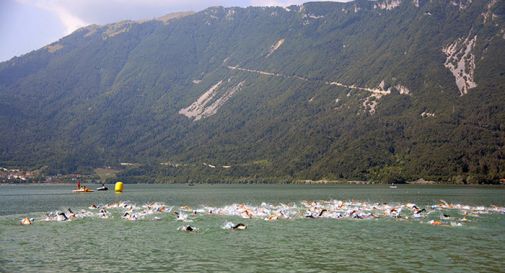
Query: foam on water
x=443, y=213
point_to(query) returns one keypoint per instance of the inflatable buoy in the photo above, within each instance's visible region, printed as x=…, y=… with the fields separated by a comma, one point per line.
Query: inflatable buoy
x=118, y=187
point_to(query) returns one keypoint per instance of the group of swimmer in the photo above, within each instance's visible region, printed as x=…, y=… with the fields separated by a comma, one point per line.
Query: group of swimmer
x=129, y=212
x=441, y=214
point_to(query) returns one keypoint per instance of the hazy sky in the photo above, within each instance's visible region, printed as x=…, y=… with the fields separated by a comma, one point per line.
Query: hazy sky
x=26, y=25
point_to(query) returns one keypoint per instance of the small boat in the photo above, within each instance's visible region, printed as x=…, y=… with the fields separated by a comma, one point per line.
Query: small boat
x=83, y=190
x=102, y=188
x=393, y=186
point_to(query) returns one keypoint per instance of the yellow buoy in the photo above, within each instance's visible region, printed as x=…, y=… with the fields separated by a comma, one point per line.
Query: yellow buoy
x=118, y=187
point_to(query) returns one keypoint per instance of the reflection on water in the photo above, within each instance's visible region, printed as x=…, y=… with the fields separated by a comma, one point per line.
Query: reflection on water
x=298, y=244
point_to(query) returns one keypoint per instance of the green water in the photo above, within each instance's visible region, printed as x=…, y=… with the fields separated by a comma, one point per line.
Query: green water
x=299, y=245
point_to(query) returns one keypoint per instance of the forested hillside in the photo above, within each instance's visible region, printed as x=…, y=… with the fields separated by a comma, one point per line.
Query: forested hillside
x=388, y=90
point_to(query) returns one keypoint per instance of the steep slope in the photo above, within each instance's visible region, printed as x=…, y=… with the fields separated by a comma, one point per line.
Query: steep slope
x=368, y=89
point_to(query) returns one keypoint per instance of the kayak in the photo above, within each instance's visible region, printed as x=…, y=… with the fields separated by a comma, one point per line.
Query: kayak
x=102, y=189
x=83, y=190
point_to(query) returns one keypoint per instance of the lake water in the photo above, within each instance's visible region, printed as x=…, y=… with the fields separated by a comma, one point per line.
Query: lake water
x=298, y=244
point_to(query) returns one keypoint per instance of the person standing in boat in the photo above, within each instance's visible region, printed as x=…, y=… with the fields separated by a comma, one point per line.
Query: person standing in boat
x=78, y=184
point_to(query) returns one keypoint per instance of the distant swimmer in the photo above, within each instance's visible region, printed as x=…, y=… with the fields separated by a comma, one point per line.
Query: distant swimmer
x=181, y=217
x=418, y=212
x=26, y=221
x=247, y=213
x=272, y=217
x=230, y=225
x=313, y=214
x=444, y=216
x=61, y=217
x=71, y=214
x=187, y=228
x=464, y=219
x=322, y=212
x=356, y=215
x=129, y=216
x=240, y=226
x=309, y=215
x=103, y=214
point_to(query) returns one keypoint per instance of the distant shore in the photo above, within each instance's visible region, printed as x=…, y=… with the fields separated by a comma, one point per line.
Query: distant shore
x=280, y=182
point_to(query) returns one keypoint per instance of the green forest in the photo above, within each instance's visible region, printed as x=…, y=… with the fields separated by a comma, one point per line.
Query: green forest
x=321, y=91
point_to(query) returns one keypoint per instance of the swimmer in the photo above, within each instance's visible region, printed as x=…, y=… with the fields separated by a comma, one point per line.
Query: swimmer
x=61, y=217
x=417, y=214
x=239, y=226
x=444, y=204
x=464, y=219
x=50, y=216
x=181, y=216
x=247, y=214
x=322, y=212
x=128, y=216
x=309, y=215
x=187, y=228
x=103, y=214
x=314, y=215
x=272, y=217
x=71, y=214
x=231, y=225
x=444, y=216
x=186, y=208
x=418, y=211
x=26, y=221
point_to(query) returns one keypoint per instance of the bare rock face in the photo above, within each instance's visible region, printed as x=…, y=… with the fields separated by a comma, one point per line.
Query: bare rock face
x=388, y=4
x=461, y=62
x=209, y=102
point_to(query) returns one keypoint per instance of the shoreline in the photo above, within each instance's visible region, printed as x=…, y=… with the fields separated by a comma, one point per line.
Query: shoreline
x=300, y=182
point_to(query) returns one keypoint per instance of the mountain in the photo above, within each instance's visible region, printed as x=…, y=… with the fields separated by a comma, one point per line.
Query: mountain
x=388, y=90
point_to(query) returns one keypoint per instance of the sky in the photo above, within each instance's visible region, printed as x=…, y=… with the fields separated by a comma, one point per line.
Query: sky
x=27, y=25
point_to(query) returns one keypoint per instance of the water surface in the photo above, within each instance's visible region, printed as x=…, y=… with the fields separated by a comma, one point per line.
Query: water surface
x=298, y=245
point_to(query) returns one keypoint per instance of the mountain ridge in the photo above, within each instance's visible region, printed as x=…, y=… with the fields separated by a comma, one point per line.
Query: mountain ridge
x=358, y=90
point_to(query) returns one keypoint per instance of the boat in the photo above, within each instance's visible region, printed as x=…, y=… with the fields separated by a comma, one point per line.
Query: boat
x=102, y=188
x=393, y=186
x=83, y=190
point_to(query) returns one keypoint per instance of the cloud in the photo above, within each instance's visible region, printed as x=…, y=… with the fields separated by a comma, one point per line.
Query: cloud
x=69, y=20
x=74, y=14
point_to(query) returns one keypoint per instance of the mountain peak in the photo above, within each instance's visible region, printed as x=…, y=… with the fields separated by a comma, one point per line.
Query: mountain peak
x=175, y=15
